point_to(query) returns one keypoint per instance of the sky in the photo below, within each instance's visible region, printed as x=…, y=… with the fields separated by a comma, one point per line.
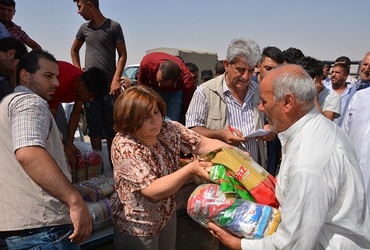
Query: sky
x=320, y=28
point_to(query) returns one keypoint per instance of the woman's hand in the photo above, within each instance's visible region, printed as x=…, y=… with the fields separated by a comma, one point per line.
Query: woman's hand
x=201, y=168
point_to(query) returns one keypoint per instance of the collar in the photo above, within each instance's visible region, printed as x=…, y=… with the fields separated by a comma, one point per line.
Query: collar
x=286, y=135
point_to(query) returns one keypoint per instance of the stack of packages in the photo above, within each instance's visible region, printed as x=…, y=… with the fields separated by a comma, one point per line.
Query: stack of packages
x=243, y=198
x=89, y=165
x=96, y=192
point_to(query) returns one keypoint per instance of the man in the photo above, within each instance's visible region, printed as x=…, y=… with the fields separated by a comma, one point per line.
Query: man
x=78, y=87
x=326, y=66
x=357, y=121
x=39, y=203
x=326, y=102
x=171, y=79
x=292, y=55
x=7, y=12
x=362, y=83
x=3, y=31
x=194, y=71
x=11, y=50
x=103, y=38
x=319, y=186
x=219, y=68
x=271, y=58
x=206, y=75
x=345, y=60
x=231, y=99
x=339, y=85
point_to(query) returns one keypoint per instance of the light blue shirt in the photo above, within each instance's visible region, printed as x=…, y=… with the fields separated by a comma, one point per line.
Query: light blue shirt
x=3, y=31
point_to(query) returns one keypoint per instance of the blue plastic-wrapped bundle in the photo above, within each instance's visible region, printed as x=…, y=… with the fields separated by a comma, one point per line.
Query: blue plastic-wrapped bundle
x=241, y=217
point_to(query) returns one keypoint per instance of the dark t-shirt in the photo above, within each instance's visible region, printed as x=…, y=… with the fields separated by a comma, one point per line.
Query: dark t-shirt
x=101, y=45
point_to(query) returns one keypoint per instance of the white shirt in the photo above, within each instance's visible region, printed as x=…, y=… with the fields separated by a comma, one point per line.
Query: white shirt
x=240, y=116
x=320, y=190
x=330, y=101
x=343, y=100
x=357, y=126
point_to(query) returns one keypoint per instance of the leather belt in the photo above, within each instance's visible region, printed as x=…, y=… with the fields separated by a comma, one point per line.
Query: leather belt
x=32, y=231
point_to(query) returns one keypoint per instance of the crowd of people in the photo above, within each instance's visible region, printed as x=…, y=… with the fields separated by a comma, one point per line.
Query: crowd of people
x=315, y=116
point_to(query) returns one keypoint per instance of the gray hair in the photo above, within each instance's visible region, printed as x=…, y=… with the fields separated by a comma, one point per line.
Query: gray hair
x=243, y=48
x=300, y=84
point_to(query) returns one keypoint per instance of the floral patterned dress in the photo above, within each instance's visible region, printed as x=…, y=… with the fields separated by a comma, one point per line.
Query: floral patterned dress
x=136, y=166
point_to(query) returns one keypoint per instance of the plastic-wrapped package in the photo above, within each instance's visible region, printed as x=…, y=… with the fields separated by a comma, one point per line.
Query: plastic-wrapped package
x=100, y=213
x=89, y=165
x=241, y=217
x=96, y=188
x=259, y=183
x=228, y=183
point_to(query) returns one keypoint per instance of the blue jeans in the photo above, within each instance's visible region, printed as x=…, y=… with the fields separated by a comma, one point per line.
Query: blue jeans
x=173, y=102
x=47, y=238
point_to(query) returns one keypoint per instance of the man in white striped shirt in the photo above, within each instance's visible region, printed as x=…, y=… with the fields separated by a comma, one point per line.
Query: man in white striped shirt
x=231, y=99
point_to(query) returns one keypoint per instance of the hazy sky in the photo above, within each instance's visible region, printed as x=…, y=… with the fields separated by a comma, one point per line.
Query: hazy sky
x=320, y=28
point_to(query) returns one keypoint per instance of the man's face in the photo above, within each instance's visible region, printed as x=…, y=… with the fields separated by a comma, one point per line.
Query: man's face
x=365, y=68
x=195, y=77
x=83, y=93
x=273, y=109
x=6, y=13
x=338, y=77
x=7, y=62
x=84, y=9
x=43, y=82
x=163, y=83
x=325, y=71
x=238, y=74
x=266, y=65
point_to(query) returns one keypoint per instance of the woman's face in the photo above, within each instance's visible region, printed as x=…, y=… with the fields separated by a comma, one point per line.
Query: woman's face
x=151, y=127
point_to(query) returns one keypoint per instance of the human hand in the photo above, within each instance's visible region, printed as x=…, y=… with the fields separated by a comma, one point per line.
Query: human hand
x=268, y=137
x=115, y=88
x=71, y=150
x=201, y=168
x=225, y=237
x=81, y=221
x=233, y=136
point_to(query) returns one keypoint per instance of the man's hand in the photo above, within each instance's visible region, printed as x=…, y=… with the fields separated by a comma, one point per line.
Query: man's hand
x=81, y=221
x=115, y=88
x=71, y=151
x=233, y=138
x=225, y=237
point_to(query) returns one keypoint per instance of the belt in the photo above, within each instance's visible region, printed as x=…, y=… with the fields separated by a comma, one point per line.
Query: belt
x=32, y=231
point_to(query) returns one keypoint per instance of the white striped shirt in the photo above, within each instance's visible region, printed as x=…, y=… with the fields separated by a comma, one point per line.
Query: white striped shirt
x=240, y=117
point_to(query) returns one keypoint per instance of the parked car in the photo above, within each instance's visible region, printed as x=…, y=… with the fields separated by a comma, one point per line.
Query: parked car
x=131, y=72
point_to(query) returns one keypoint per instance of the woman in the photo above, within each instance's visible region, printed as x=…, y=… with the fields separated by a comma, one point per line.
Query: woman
x=146, y=165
